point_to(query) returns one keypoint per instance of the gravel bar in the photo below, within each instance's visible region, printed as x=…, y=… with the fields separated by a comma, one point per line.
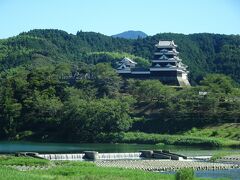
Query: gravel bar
x=164, y=165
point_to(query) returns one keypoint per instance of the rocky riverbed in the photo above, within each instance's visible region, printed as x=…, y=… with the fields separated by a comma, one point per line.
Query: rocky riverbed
x=165, y=165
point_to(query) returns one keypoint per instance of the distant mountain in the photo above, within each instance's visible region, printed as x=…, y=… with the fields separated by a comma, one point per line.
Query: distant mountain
x=131, y=35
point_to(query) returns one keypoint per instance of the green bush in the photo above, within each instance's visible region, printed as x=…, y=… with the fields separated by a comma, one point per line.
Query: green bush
x=23, y=135
x=193, y=130
x=215, y=133
x=185, y=174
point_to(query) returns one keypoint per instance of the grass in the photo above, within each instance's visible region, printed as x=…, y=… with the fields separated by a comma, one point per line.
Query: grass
x=74, y=170
x=7, y=173
x=92, y=172
x=220, y=155
x=23, y=161
x=187, y=140
x=217, y=156
x=226, y=130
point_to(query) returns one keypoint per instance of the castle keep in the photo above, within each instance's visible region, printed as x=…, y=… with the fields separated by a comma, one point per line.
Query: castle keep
x=166, y=66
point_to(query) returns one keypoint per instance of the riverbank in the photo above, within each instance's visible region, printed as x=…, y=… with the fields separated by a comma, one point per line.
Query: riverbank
x=221, y=130
x=23, y=168
x=147, y=160
x=184, y=140
x=220, y=135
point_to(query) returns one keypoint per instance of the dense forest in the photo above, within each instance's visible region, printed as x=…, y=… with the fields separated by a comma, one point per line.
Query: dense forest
x=56, y=85
x=203, y=53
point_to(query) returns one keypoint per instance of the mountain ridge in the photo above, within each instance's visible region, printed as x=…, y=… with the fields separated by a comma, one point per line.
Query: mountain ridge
x=131, y=34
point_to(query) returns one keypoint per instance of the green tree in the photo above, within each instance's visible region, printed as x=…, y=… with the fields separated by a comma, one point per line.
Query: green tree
x=106, y=80
x=152, y=91
x=10, y=112
x=85, y=120
x=218, y=83
x=42, y=112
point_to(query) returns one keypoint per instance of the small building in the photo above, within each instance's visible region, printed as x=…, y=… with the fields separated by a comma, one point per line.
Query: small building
x=125, y=65
x=166, y=66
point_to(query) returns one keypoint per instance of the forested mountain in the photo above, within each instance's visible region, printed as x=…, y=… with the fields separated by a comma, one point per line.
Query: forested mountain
x=131, y=35
x=55, y=85
x=203, y=53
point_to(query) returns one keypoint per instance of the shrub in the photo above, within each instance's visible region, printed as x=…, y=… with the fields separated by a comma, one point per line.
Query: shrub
x=23, y=134
x=194, y=130
x=185, y=174
x=215, y=133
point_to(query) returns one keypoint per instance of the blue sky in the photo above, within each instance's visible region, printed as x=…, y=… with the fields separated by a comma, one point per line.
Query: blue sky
x=114, y=16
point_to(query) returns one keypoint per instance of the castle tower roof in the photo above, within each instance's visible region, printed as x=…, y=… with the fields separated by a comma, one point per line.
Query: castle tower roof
x=166, y=44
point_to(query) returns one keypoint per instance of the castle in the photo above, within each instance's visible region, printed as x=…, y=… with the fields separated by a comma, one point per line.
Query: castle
x=165, y=66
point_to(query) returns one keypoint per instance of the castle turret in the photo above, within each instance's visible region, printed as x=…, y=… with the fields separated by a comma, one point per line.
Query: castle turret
x=125, y=65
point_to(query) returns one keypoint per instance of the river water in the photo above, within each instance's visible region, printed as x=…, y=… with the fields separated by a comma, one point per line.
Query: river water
x=19, y=146
x=231, y=174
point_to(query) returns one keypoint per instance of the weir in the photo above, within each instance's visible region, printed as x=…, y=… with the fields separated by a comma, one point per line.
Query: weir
x=78, y=157
x=119, y=156
x=90, y=155
x=94, y=155
x=149, y=160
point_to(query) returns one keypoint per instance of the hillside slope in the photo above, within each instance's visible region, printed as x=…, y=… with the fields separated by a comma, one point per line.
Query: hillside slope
x=226, y=130
x=203, y=53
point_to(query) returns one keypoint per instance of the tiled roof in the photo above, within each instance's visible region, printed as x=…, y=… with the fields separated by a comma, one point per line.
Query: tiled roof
x=166, y=43
x=129, y=60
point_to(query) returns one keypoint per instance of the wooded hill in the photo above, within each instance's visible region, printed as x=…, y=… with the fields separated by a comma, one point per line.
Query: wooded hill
x=131, y=35
x=56, y=85
x=203, y=53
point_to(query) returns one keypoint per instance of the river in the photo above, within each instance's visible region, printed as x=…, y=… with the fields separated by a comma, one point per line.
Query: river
x=19, y=146
x=231, y=174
